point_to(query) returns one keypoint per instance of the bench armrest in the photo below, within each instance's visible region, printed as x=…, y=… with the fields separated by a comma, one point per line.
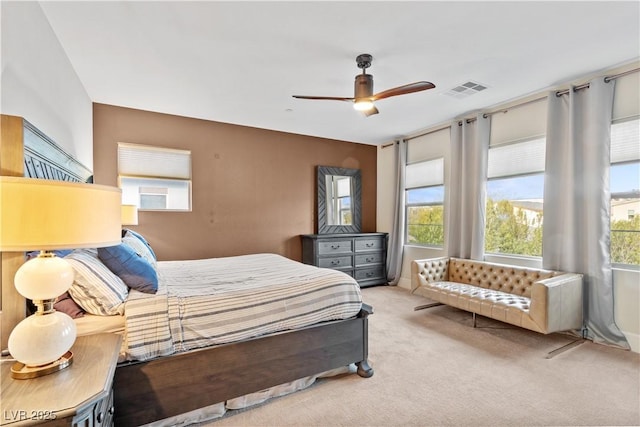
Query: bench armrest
x=429, y=270
x=556, y=303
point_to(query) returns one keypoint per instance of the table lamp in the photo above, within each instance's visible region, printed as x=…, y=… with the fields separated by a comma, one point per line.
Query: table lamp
x=38, y=214
x=129, y=215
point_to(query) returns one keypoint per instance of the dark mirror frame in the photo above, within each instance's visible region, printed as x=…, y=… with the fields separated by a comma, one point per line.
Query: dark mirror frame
x=356, y=191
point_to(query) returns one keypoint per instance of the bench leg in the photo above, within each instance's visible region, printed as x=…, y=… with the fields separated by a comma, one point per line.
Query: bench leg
x=422, y=307
x=474, y=319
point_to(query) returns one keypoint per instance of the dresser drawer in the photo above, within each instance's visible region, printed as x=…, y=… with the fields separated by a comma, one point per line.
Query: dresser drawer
x=336, y=262
x=372, y=258
x=360, y=255
x=371, y=244
x=370, y=273
x=335, y=247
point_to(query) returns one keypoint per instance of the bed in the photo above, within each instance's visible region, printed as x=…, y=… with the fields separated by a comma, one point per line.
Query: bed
x=290, y=322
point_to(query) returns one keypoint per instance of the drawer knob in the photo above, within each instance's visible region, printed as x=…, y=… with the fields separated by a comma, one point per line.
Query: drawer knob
x=369, y=244
x=370, y=259
x=335, y=246
x=369, y=274
x=335, y=262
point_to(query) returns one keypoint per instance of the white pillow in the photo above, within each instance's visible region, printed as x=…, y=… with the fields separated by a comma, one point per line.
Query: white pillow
x=95, y=288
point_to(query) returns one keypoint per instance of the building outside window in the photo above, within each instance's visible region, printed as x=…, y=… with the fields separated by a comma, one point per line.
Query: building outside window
x=624, y=180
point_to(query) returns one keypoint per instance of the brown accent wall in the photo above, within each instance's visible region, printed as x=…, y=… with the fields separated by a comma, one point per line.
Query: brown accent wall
x=254, y=190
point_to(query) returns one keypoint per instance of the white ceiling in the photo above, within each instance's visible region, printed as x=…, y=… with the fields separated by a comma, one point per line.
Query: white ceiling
x=241, y=62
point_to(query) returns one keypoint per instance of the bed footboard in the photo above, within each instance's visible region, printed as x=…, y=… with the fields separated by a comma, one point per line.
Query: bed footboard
x=165, y=387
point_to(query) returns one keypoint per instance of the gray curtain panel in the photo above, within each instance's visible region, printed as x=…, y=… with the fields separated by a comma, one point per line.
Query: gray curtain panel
x=396, y=236
x=465, y=201
x=576, y=229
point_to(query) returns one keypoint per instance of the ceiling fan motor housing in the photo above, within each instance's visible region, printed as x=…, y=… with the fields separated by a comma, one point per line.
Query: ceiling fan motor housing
x=363, y=86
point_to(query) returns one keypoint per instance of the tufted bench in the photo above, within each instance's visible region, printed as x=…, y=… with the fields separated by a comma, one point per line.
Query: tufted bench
x=540, y=300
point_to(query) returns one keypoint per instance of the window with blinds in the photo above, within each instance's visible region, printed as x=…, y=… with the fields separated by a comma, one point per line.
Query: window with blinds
x=515, y=182
x=424, y=198
x=424, y=188
x=155, y=178
x=624, y=184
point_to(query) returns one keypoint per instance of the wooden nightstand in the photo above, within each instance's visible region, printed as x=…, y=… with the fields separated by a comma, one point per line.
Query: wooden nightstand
x=80, y=395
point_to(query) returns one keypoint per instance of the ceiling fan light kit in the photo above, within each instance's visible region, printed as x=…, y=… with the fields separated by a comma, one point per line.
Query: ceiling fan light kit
x=363, y=99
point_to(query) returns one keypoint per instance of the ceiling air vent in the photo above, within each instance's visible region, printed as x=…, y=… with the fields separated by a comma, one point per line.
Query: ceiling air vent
x=466, y=89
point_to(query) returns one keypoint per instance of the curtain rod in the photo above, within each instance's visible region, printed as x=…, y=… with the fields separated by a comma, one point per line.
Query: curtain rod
x=436, y=129
x=391, y=144
x=504, y=110
x=607, y=79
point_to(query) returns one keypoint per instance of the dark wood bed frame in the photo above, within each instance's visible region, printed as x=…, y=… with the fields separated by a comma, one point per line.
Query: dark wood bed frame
x=168, y=386
x=157, y=389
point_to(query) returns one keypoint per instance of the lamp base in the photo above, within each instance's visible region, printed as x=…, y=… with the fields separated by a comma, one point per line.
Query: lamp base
x=20, y=371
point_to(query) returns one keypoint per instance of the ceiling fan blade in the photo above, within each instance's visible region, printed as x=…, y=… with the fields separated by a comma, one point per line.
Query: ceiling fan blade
x=403, y=90
x=328, y=98
x=371, y=111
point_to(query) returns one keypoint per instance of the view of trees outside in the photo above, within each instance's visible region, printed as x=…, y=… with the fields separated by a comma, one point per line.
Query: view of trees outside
x=625, y=213
x=514, y=207
x=425, y=215
x=514, y=226
x=511, y=228
x=625, y=241
x=425, y=225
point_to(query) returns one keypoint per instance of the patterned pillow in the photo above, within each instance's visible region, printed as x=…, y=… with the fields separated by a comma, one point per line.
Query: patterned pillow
x=135, y=271
x=95, y=288
x=140, y=246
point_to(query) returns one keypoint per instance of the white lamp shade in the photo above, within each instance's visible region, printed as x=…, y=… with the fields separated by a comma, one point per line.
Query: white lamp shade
x=44, y=278
x=40, y=214
x=129, y=215
x=39, y=340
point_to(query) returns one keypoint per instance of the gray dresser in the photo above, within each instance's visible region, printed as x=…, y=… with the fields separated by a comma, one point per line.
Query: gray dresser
x=361, y=255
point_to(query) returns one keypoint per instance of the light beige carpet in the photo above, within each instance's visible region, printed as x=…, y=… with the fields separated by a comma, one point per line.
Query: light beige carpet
x=432, y=368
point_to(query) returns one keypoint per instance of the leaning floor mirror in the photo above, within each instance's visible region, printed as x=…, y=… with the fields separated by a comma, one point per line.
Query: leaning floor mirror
x=339, y=191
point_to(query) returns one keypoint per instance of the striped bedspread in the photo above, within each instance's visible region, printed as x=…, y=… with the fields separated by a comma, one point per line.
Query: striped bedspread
x=220, y=300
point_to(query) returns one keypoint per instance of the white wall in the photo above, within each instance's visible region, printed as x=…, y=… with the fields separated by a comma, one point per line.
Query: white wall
x=38, y=82
x=626, y=282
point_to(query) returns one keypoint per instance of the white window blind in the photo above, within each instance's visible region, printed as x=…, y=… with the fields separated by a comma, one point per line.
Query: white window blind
x=520, y=123
x=516, y=159
x=625, y=97
x=624, y=141
x=428, y=146
x=424, y=174
x=154, y=162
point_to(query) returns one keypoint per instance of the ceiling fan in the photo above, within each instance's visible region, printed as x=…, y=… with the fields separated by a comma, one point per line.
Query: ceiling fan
x=363, y=99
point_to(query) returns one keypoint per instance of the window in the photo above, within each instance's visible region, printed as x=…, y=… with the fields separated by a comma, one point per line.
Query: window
x=624, y=181
x=154, y=178
x=339, y=191
x=424, y=183
x=514, y=206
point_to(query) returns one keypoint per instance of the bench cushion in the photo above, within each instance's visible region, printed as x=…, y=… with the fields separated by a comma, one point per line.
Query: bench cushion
x=491, y=303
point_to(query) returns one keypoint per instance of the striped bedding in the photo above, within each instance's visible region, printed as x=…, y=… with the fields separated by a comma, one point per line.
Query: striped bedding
x=214, y=301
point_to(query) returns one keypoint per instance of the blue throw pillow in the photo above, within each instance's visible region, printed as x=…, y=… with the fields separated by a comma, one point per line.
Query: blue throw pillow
x=134, y=270
x=142, y=239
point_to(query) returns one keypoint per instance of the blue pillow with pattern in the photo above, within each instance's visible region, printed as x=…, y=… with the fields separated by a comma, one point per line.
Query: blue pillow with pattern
x=134, y=270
